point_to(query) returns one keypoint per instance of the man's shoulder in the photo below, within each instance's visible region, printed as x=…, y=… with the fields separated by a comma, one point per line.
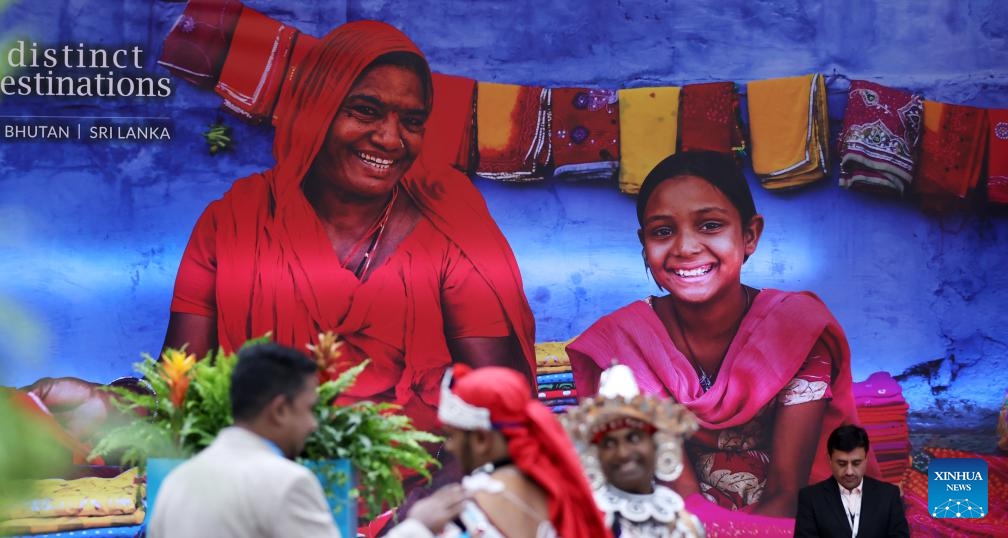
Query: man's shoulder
x=818, y=487
x=881, y=485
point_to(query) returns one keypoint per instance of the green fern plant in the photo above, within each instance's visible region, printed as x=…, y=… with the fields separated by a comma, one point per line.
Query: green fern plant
x=379, y=441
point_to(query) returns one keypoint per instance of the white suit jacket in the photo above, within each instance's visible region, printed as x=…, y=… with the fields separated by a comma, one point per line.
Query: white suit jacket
x=240, y=487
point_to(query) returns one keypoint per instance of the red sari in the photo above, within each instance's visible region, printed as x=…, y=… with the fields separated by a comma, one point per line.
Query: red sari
x=273, y=269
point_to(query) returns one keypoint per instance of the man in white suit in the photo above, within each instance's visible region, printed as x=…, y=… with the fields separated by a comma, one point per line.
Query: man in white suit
x=245, y=484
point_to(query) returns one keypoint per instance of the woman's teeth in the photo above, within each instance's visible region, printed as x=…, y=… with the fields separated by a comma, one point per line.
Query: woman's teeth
x=699, y=271
x=377, y=162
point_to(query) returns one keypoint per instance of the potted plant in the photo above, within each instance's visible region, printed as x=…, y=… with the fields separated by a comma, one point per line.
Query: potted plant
x=189, y=403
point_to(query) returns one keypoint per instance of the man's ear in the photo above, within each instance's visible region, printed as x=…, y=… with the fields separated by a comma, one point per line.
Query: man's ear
x=277, y=409
x=751, y=234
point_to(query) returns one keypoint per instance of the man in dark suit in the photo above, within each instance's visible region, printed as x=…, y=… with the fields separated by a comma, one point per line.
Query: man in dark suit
x=850, y=503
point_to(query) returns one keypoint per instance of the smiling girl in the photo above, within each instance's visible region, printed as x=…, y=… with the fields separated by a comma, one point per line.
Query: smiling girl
x=766, y=372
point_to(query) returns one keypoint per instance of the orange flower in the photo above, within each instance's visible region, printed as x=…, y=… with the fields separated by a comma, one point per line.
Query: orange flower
x=327, y=353
x=175, y=368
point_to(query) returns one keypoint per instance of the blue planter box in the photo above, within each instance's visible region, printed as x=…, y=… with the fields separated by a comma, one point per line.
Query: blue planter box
x=337, y=479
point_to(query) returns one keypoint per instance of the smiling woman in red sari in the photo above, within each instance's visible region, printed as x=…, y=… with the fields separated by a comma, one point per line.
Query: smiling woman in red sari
x=350, y=233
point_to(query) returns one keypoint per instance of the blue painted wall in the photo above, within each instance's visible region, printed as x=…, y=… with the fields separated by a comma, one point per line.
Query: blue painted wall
x=91, y=234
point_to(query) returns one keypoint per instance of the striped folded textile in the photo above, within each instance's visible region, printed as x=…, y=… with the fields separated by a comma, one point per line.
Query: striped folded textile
x=451, y=125
x=556, y=393
x=513, y=131
x=648, y=131
x=709, y=118
x=197, y=43
x=585, y=133
x=561, y=385
x=256, y=65
x=997, y=156
x=880, y=137
x=789, y=130
x=558, y=377
x=952, y=151
x=551, y=402
x=80, y=497
x=564, y=368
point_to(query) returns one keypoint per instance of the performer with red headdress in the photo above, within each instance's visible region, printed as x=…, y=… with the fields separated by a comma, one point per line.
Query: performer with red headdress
x=523, y=473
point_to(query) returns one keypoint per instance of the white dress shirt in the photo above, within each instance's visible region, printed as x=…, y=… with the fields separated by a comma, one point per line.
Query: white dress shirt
x=851, y=500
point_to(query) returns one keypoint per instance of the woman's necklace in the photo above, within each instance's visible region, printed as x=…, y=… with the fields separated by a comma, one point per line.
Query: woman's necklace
x=706, y=381
x=374, y=232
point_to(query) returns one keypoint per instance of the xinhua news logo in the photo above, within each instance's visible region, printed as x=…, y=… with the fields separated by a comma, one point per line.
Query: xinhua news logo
x=957, y=487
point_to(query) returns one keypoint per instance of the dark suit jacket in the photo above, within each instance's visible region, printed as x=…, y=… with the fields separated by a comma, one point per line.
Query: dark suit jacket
x=821, y=512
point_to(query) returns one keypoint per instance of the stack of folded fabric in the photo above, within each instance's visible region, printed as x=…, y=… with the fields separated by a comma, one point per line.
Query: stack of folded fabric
x=880, y=136
x=62, y=506
x=789, y=130
x=952, y=151
x=882, y=411
x=513, y=131
x=554, y=376
x=585, y=134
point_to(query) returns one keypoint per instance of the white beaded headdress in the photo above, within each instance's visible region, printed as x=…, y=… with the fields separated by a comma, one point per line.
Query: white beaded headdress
x=619, y=399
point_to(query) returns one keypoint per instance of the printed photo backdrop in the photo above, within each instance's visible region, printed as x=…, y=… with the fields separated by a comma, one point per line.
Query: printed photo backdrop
x=92, y=225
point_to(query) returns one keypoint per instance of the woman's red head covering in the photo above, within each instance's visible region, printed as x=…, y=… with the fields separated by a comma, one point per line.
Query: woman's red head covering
x=321, y=82
x=537, y=444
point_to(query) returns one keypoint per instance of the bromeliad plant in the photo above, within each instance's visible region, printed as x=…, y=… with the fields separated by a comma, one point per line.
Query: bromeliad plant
x=189, y=403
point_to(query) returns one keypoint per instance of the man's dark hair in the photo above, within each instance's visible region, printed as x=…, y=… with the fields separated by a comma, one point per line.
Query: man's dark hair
x=846, y=438
x=264, y=371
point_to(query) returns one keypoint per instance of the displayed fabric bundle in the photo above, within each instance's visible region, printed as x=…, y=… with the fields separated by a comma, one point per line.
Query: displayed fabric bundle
x=952, y=149
x=513, y=130
x=57, y=505
x=256, y=65
x=918, y=511
x=882, y=411
x=554, y=377
x=880, y=138
x=997, y=156
x=648, y=130
x=197, y=43
x=789, y=130
x=1002, y=425
x=585, y=133
x=709, y=118
x=449, y=129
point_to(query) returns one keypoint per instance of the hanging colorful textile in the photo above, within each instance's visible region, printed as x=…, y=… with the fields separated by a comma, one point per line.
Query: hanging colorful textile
x=880, y=138
x=789, y=130
x=709, y=118
x=997, y=158
x=648, y=132
x=197, y=43
x=585, y=133
x=256, y=65
x=952, y=148
x=451, y=122
x=513, y=129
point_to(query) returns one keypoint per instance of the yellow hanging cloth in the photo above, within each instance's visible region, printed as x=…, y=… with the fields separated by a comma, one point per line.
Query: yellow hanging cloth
x=649, y=122
x=789, y=129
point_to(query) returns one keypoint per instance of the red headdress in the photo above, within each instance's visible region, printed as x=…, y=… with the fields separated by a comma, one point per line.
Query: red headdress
x=500, y=399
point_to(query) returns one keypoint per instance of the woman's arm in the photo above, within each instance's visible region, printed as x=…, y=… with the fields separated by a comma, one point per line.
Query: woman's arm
x=478, y=351
x=197, y=333
x=795, y=440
